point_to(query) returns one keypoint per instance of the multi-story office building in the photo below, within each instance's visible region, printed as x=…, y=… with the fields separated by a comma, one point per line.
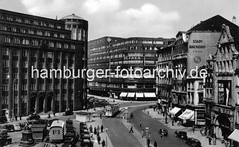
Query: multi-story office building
x=164, y=80
x=79, y=31
x=136, y=54
x=28, y=43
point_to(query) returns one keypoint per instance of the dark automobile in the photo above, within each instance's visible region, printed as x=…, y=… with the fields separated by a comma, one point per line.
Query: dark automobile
x=193, y=142
x=68, y=112
x=3, y=119
x=34, y=117
x=181, y=134
x=9, y=127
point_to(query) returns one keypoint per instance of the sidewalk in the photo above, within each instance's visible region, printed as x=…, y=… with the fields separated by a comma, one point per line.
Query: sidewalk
x=196, y=134
x=104, y=136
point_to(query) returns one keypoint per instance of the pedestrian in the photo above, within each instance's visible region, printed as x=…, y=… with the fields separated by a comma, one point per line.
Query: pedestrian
x=98, y=129
x=155, y=144
x=176, y=133
x=54, y=113
x=15, y=117
x=91, y=129
x=209, y=140
x=148, y=142
x=161, y=135
x=172, y=122
x=131, y=130
x=140, y=124
x=95, y=130
x=49, y=115
x=143, y=134
x=193, y=129
x=102, y=129
x=98, y=139
x=103, y=143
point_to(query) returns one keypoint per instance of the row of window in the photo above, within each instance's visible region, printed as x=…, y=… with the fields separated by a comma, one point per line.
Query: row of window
x=29, y=21
x=33, y=42
x=31, y=31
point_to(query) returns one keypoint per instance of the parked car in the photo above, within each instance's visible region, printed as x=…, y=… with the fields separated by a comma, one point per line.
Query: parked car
x=181, y=134
x=3, y=119
x=193, y=142
x=9, y=127
x=86, y=143
x=33, y=117
x=17, y=127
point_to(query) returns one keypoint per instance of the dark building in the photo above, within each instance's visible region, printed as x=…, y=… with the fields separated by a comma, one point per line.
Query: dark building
x=125, y=54
x=79, y=31
x=30, y=42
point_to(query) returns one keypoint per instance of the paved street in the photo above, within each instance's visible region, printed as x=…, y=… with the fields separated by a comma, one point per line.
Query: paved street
x=119, y=135
x=154, y=126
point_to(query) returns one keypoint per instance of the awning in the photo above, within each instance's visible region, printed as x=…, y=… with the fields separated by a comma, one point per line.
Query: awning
x=174, y=110
x=149, y=94
x=123, y=94
x=187, y=114
x=234, y=135
x=131, y=94
x=139, y=95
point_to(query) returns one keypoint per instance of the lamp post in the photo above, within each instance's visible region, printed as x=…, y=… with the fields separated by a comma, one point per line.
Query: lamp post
x=14, y=89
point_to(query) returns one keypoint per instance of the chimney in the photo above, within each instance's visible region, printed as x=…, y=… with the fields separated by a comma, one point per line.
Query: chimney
x=234, y=19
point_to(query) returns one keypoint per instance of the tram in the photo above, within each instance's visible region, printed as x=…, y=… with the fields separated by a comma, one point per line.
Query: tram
x=111, y=110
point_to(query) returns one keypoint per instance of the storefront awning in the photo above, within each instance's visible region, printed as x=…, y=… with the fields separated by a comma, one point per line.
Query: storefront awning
x=234, y=135
x=187, y=114
x=123, y=94
x=139, y=95
x=149, y=94
x=174, y=110
x=131, y=94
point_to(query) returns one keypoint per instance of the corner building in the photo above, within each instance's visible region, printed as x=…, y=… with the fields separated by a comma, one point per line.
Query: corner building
x=125, y=53
x=27, y=42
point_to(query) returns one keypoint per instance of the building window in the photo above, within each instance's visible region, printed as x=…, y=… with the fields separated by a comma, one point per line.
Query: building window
x=5, y=51
x=224, y=92
x=73, y=46
x=62, y=36
x=66, y=46
x=17, y=40
x=7, y=40
x=39, y=32
x=51, y=44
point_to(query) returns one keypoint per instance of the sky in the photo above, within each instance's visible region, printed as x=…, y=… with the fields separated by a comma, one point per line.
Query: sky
x=130, y=18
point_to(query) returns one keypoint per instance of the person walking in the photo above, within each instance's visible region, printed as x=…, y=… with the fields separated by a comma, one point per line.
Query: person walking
x=91, y=129
x=155, y=144
x=209, y=140
x=98, y=138
x=161, y=135
x=131, y=130
x=95, y=130
x=148, y=142
x=193, y=129
x=103, y=143
x=102, y=129
x=140, y=124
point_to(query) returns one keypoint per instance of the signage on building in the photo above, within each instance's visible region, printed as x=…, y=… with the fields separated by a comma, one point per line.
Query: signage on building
x=222, y=110
x=197, y=44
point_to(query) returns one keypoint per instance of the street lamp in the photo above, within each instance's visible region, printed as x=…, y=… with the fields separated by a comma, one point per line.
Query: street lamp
x=14, y=89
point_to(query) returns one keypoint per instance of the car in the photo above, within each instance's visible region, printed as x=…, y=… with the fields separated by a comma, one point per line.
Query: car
x=17, y=127
x=33, y=117
x=9, y=127
x=192, y=142
x=181, y=134
x=68, y=112
x=86, y=143
x=3, y=119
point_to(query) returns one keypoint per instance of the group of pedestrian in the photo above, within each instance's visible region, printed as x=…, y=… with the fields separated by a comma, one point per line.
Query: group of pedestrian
x=97, y=130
